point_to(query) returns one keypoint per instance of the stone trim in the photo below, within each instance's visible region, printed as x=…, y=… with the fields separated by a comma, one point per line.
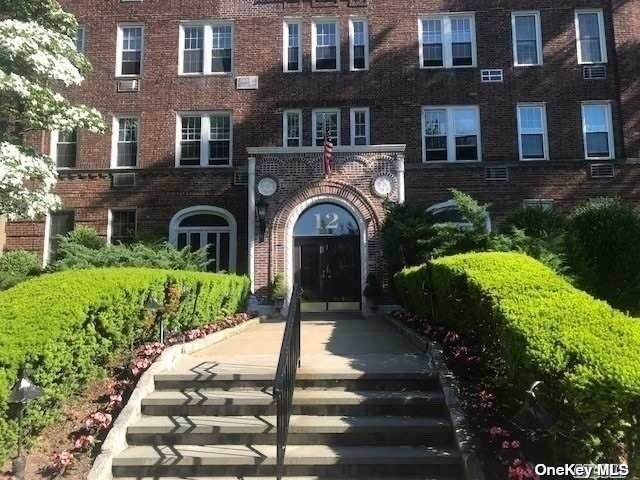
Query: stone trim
x=393, y=148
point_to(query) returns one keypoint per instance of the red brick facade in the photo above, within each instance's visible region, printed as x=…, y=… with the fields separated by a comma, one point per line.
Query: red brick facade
x=394, y=89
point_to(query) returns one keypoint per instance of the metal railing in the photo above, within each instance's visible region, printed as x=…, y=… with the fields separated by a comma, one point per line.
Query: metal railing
x=285, y=380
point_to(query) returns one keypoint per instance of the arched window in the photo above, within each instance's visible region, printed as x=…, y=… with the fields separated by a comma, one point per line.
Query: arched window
x=326, y=219
x=207, y=227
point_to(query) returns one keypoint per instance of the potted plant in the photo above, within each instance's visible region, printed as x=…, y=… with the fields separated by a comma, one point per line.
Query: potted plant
x=373, y=291
x=278, y=291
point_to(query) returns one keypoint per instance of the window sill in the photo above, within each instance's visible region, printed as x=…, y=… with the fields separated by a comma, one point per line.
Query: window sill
x=449, y=162
x=326, y=71
x=128, y=77
x=523, y=65
x=462, y=67
x=192, y=167
x=208, y=74
x=598, y=159
x=534, y=159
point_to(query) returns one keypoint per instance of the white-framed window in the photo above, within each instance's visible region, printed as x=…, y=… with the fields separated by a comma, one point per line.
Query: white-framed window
x=130, y=51
x=81, y=39
x=358, y=44
x=64, y=148
x=122, y=226
x=533, y=137
x=597, y=127
x=360, y=128
x=526, y=29
x=447, y=41
x=206, y=48
x=541, y=203
x=325, y=48
x=590, y=36
x=451, y=134
x=57, y=224
x=125, y=144
x=292, y=46
x=205, y=139
x=326, y=121
x=292, y=128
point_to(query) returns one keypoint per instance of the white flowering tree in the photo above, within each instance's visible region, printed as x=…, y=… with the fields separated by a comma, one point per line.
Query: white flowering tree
x=38, y=57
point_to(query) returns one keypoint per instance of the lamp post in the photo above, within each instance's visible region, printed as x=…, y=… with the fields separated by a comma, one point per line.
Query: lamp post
x=537, y=421
x=152, y=306
x=22, y=392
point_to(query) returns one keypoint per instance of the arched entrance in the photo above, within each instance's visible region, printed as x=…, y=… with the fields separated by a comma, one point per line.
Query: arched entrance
x=327, y=258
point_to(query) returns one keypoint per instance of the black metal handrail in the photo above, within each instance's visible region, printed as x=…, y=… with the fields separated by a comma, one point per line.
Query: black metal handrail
x=285, y=380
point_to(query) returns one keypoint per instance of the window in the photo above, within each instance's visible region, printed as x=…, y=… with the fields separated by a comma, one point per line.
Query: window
x=205, y=140
x=359, y=126
x=58, y=224
x=598, y=131
x=129, y=54
x=125, y=132
x=81, y=39
x=359, y=44
x=541, y=203
x=292, y=128
x=532, y=131
x=326, y=46
x=451, y=134
x=326, y=121
x=447, y=41
x=206, y=48
x=527, y=38
x=64, y=148
x=592, y=46
x=122, y=226
x=292, y=51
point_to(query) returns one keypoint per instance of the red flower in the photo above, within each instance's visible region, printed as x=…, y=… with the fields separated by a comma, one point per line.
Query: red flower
x=499, y=432
x=521, y=471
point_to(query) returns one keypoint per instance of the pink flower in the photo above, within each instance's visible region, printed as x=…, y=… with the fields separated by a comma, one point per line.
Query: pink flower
x=451, y=337
x=521, y=471
x=60, y=461
x=98, y=420
x=84, y=442
x=499, y=432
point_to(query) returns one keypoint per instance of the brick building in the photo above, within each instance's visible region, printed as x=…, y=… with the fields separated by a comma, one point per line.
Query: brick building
x=219, y=110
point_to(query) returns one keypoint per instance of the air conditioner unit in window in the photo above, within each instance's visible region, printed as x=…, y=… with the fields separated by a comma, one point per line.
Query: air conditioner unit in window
x=498, y=174
x=602, y=170
x=492, y=75
x=128, y=85
x=594, y=72
x=120, y=180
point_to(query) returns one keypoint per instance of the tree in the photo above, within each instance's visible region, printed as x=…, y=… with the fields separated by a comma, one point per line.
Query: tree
x=37, y=57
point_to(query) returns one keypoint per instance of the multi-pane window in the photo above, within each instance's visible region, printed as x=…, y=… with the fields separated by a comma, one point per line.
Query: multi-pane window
x=59, y=224
x=292, y=51
x=130, y=43
x=326, y=123
x=222, y=41
x=122, y=226
x=127, y=142
x=359, y=126
x=206, y=48
x=205, y=139
x=598, y=130
x=326, y=51
x=532, y=131
x=81, y=39
x=193, y=57
x=527, y=38
x=451, y=134
x=447, y=41
x=359, y=44
x=292, y=128
x=592, y=47
x=66, y=148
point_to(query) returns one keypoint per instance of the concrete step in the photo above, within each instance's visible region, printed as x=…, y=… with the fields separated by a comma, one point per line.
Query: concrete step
x=240, y=402
x=303, y=430
x=347, y=380
x=260, y=460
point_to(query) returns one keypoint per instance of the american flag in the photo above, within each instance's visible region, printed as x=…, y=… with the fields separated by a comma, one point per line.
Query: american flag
x=327, y=155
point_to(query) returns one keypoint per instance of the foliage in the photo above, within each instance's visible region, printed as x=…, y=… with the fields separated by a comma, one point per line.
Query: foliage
x=16, y=266
x=67, y=326
x=603, y=237
x=37, y=51
x=278, y=288
x=585, y=352
x=535, y=221
x=83, y=248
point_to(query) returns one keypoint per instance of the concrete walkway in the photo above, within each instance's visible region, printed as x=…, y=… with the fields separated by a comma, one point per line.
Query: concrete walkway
x=331, y=343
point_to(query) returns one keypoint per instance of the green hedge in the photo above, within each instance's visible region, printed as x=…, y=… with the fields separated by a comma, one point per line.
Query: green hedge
x=586, y=352
x=69, y=325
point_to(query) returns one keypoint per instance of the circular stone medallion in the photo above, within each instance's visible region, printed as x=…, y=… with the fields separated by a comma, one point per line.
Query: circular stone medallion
x=267, y=186
x=383, y=185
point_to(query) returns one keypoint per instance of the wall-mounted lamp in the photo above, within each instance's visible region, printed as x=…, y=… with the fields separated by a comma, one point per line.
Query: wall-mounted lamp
x=261, y=216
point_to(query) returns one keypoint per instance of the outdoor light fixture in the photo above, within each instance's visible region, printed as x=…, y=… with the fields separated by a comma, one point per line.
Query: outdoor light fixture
x=23, y=391
x=261, y=213
x=152, y=306
x=533, y=417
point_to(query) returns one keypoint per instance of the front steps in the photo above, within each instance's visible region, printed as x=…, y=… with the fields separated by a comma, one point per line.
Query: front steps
x=216, y=426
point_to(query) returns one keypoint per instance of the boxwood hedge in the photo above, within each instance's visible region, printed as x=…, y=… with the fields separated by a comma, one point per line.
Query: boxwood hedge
x=586, y=352
x=67, y=326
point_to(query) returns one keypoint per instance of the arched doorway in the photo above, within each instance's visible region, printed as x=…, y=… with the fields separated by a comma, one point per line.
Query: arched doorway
x=327, y=258
x=210, y=227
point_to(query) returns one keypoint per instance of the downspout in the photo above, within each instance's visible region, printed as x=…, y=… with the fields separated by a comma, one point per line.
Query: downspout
x=251, y=226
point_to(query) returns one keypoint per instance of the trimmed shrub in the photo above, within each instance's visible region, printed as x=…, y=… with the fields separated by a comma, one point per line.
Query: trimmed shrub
x=535, y=221
x=85, y=236
x=16, y=266
x=586, y=353
x=602, y=242
x=67, y=326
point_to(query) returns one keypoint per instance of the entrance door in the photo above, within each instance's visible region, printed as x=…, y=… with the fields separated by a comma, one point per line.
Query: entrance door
x=327, y=259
